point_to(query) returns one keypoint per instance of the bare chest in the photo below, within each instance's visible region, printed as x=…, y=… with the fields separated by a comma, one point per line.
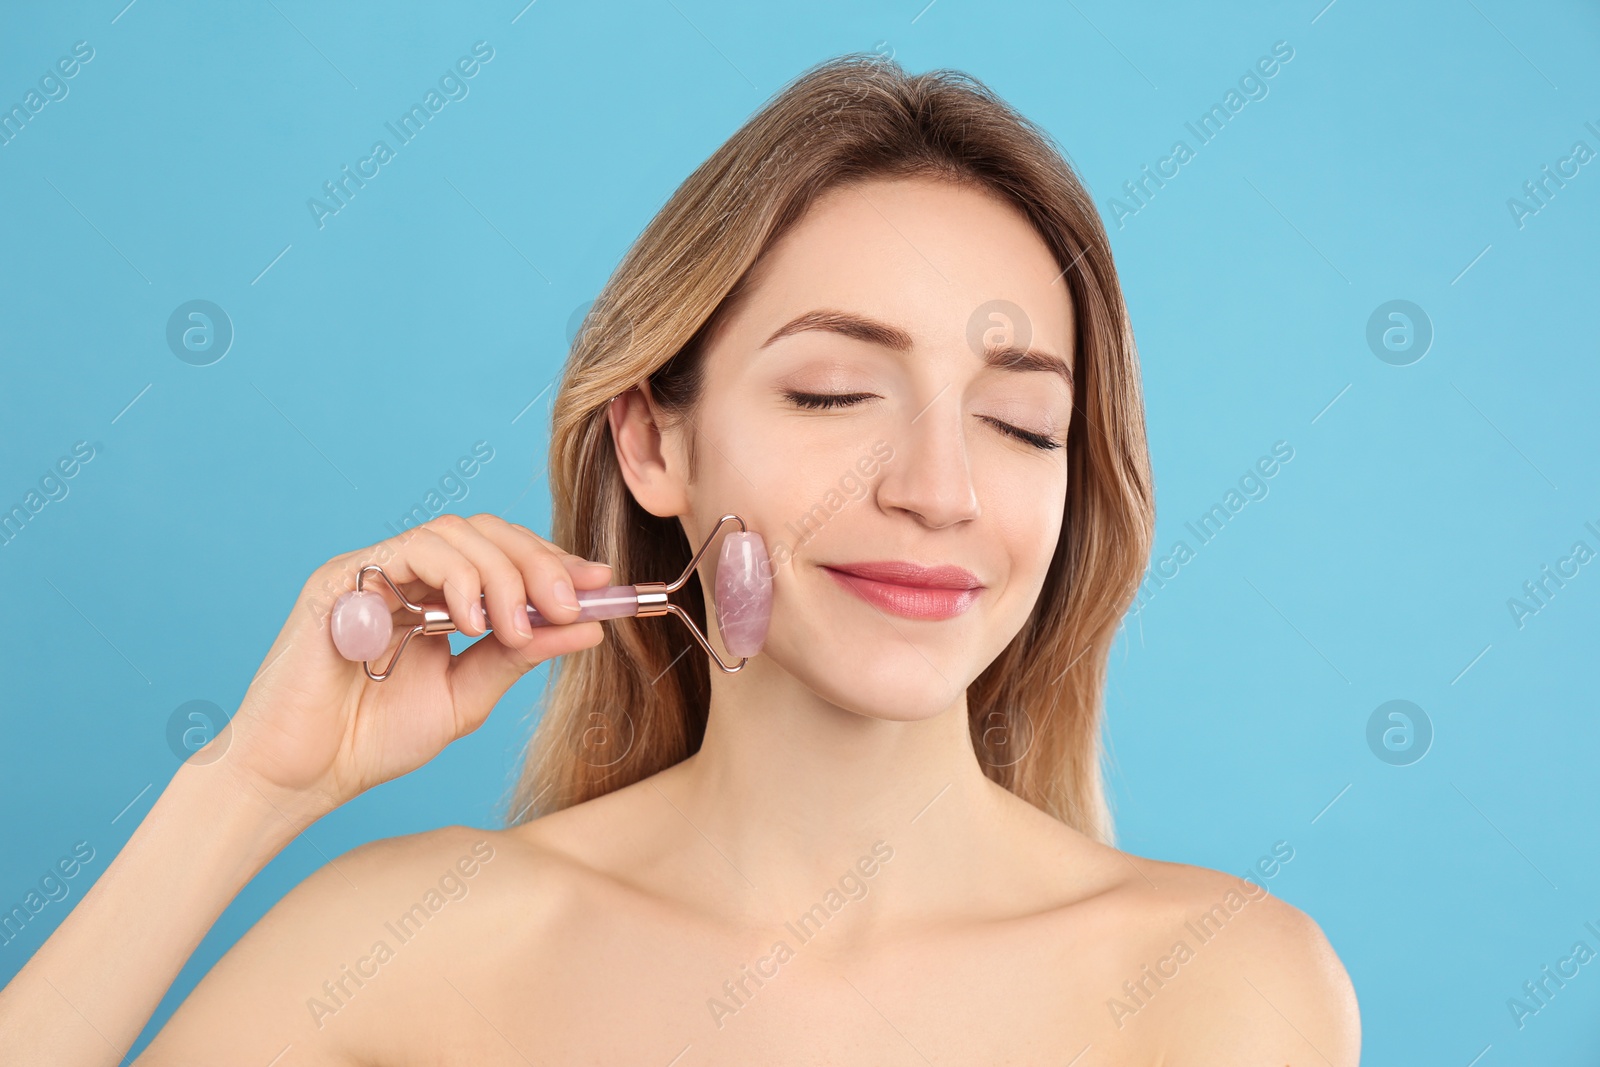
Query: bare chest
x=624, y=989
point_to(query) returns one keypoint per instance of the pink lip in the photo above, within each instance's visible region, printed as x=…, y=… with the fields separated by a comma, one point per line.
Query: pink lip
x=910, y=590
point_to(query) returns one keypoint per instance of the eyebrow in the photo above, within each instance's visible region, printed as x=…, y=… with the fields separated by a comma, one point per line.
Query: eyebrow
x=884, y=335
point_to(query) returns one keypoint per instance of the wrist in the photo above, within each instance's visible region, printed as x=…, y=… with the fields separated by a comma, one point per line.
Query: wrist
x=258, y=815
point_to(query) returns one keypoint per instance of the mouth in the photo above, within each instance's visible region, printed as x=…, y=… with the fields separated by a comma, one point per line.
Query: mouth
x=910, y=590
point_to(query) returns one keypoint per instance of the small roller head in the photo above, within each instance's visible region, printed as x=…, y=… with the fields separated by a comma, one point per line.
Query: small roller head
x=744, y=593
x=361, y=625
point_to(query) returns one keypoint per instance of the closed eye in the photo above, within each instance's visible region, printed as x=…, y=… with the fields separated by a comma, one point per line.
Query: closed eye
x=826, y=400
x=1037, y=440
x=839, y=400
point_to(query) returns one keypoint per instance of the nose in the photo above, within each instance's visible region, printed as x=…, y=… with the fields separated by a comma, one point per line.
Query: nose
x=929, y=476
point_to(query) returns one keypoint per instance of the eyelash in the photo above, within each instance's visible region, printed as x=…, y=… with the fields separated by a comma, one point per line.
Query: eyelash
x=836, y=400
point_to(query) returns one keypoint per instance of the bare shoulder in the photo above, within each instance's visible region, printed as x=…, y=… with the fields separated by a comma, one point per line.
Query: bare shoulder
x=333, y=965
x=1226, y=972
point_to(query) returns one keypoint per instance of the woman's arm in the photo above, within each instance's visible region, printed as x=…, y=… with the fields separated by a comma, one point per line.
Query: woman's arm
x=311, y=733
x=90, y=989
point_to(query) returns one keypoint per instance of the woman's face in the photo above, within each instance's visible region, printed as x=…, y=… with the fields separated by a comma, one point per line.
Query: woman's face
x=850, y=415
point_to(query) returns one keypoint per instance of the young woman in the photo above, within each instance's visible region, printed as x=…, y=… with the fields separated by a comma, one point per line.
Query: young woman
x=882, y=324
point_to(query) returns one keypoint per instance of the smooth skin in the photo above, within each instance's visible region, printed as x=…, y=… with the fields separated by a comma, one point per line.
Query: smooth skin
x=662, y=923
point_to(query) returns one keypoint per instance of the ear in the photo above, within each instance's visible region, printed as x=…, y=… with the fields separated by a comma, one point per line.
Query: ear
x=652, y=461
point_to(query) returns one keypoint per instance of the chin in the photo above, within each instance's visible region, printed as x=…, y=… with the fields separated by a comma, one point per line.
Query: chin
x=893, y=681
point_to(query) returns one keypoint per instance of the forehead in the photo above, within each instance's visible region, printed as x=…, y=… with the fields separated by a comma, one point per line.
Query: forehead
x=929, y=256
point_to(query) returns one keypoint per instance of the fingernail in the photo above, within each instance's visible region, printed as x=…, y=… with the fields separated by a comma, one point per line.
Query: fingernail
x=564, y=594
x=521, y=623
x=475, y=613
x=596, y=563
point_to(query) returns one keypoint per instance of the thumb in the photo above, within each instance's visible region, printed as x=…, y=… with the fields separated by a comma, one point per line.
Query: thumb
x=479, y=676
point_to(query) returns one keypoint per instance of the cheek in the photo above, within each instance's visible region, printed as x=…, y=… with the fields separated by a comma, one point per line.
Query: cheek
x=788, y=468
x=1027, y=515
x=749, y=465
x=750, y=460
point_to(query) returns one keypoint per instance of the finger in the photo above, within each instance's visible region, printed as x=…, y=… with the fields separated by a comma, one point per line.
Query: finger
x=504, y=586
x=590, y=575
x=582, y=570
x=524, y=547
x=545, y=572
x=480, y=675
x=526, y=532
x=427, y=558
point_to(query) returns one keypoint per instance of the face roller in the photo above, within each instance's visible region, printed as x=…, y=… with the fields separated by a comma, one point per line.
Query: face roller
x=362, y=625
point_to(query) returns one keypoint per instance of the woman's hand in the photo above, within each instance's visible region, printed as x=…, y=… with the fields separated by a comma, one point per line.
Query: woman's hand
x=313, y=731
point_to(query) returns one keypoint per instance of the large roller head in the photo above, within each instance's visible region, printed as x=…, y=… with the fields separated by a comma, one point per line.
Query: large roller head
x=744, y=593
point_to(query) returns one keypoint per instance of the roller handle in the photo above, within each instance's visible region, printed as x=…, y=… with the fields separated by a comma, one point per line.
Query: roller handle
x=611, y=602
x=362, y=624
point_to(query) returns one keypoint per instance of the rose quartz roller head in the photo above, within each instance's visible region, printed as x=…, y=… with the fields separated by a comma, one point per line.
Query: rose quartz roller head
x=362, y=625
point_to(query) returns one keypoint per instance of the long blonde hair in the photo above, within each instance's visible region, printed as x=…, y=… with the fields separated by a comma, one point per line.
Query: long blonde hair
x=637, y=703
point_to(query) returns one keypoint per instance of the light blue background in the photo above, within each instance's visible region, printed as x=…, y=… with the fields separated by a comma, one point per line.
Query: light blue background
x=434, y=310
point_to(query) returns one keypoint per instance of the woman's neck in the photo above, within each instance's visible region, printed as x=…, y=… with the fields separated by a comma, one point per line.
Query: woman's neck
x=793, y=790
